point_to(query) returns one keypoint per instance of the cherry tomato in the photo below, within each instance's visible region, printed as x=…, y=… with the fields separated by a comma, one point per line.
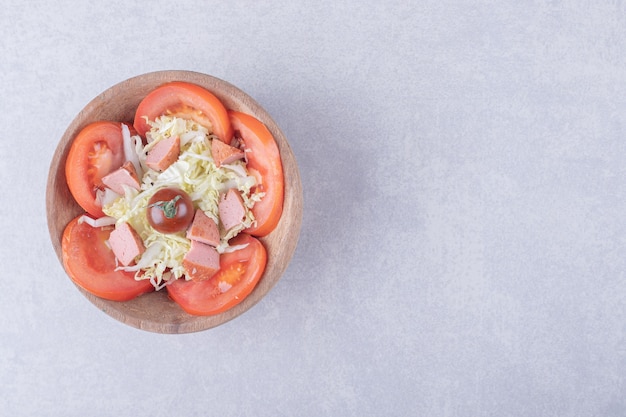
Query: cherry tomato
x=264, y=161
x=170, y=210
x=188, y=101
x=238, y=275
x=90, y=263
x=96, y=151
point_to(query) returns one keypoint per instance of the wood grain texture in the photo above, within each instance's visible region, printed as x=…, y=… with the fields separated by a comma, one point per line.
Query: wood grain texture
x=155, y=312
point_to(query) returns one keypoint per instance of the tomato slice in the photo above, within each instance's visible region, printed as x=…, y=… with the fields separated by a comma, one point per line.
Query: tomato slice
x=186, y=100
x=96, y=151
x=90, y=263
x=264, y=161
x=238, y=275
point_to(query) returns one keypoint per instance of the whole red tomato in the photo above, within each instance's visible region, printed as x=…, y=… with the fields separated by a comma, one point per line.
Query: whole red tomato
x=170, y=210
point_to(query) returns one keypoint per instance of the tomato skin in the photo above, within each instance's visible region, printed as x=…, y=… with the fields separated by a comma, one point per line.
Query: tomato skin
x=183, y=212
x=186, y=100
x=263, y=160
x=96, y=151
x=90, y=263
x=242, y=269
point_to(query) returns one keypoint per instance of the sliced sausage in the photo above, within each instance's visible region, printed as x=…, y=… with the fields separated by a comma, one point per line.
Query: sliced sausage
x=203, y=229
x=125, y=243
x=224, y=154
x=164, y=154
x=201, y=262
x=124, y=175
x=231, y=209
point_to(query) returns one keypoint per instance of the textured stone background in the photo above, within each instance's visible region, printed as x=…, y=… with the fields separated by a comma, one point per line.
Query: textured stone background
x=462, y=250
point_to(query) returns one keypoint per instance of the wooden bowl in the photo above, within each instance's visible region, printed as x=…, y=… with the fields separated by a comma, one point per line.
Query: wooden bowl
x=155, y=312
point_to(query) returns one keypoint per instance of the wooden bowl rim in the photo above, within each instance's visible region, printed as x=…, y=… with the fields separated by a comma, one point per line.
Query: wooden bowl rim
x=155, y=312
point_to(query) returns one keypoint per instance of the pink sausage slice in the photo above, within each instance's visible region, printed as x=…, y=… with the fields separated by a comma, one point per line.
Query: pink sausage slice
x=126, y=243
x=124, y=175
x=164, y=154
x=203, y=229
x=224, y=154
x=231, y=209
x=201, y=262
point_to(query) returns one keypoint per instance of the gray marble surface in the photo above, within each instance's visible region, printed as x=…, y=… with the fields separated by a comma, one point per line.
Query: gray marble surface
x=462, y=248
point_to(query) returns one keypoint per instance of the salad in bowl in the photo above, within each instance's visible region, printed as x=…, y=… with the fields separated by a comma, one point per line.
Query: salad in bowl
x=183, y=202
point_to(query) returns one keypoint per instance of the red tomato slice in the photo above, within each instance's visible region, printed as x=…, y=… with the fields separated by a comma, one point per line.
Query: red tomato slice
x=188, y=101
x=264, y=161
x=97, y=150
x=238, y=275
x=91, y=264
